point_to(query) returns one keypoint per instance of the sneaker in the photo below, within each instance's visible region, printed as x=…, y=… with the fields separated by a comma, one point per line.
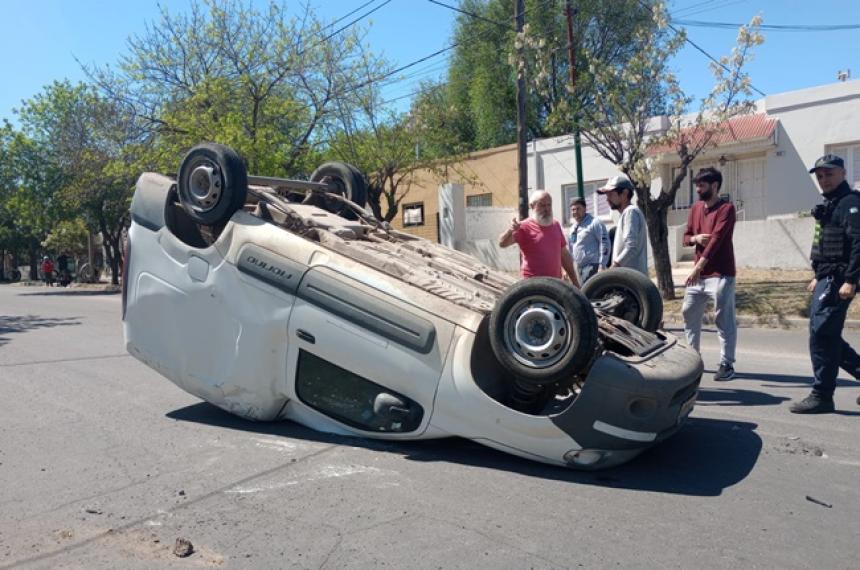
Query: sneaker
x=724, y=373
x=813, y=404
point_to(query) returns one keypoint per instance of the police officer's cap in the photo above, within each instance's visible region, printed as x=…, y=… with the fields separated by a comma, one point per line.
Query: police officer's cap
x=828, y=161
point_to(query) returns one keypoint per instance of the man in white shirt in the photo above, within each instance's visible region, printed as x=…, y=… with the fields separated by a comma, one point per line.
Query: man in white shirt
x=630, y=248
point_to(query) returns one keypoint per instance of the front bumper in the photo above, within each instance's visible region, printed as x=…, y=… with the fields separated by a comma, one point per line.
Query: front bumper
x=628, y=404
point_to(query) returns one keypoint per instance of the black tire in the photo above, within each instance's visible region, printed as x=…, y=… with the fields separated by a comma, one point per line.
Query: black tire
x=212, y=184
x=552, y=313
x=627, y=294
x=345, y=180
x=15, y=276
x=87, y=273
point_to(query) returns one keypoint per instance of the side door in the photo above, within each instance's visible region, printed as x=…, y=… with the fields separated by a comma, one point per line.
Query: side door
x=360, y=359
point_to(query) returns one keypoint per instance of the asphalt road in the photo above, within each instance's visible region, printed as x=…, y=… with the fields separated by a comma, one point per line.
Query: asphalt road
x=104, y=464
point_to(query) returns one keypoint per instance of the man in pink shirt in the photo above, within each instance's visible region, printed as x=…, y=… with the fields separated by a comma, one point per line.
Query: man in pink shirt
x=543, y=247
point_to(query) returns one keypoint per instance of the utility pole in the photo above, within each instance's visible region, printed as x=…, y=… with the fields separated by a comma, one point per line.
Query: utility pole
x=577, y=144
x=521, y=115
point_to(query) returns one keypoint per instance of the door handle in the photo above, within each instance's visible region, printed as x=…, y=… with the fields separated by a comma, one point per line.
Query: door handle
x=305, y=336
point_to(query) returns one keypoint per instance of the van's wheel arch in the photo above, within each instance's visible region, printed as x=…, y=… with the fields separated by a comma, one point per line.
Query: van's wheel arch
x=627, y=294
x=543, y=331
x=212, y=183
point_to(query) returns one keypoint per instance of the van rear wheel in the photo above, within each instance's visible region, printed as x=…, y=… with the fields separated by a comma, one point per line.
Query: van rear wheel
x=212, y=183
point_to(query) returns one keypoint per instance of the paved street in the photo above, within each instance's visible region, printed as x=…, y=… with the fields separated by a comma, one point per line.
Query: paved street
x=104, y=464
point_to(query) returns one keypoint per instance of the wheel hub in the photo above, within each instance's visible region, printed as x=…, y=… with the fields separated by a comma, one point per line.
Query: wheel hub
x=205, y=186
x=538, y=334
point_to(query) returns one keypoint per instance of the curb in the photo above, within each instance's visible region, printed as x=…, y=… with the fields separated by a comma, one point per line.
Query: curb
x=749, y=321
x=103, y=287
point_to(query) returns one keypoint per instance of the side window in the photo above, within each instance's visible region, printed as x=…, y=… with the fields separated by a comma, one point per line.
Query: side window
x=479, y=201
x=353, y=400
x=597, y=205
x=851, y=155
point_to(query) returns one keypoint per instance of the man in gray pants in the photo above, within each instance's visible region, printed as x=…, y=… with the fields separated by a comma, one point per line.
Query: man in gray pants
x=709, y=228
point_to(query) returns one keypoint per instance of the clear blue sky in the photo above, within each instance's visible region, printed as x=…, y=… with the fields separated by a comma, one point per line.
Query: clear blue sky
x=42, y=38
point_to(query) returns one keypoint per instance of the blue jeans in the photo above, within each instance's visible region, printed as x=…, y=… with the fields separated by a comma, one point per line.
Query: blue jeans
x=827, y=349
x=587, y=271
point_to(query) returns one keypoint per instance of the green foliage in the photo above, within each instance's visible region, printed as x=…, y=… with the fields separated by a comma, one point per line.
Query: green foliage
x=482, y=80
x=84, y=154
x=225, y=72
x=68, y=236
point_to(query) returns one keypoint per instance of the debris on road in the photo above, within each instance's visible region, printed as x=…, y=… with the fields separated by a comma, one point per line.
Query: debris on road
x=818, y=502
x=184, y=548
x=93, y=511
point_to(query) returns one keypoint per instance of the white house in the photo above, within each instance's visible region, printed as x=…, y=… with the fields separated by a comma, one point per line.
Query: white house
x=764, y=157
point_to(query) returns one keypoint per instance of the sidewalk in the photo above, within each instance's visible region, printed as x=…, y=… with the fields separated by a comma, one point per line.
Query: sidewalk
x=683, y=269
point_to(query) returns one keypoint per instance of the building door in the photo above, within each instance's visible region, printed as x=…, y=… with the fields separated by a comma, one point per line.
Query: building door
x=750, y=198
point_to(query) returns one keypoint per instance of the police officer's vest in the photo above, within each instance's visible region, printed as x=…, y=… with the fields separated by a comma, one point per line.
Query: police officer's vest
x=830, y=244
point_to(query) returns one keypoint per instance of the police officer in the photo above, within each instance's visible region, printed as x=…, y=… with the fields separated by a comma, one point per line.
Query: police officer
x=836, y=262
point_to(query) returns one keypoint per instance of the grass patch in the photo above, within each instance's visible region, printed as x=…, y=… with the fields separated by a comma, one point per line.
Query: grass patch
x=767, y=293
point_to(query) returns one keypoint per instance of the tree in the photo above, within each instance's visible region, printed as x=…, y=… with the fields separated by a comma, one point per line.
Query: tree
x=68, y=236
x=95, y=150
x=481, y=78
x=390, y=147
x=616, y=125
x=261, y=83
x=29, y=206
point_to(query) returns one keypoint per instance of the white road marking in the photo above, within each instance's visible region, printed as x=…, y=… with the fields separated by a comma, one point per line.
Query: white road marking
x=324, y=472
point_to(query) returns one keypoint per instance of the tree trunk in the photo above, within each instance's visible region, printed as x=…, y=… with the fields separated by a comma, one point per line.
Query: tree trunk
x=658, y=234
x=34, y=265
x=112, y=255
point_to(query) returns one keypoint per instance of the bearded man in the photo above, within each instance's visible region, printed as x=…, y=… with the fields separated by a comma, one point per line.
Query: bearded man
x=710, y=226
x=543, y=247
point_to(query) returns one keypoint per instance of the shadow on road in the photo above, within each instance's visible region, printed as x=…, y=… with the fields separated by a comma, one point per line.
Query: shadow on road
x=804, y=380
x=702, y=459
x=25, y=323
x=71, y=293
x=736, y=397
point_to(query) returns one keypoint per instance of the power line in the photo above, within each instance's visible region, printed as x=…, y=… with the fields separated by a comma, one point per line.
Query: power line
x=708, y=8
x=348, y=14
x=472, y=15
x=345, y=26
x=771, y=27
x=701, y=49
x=695, y=6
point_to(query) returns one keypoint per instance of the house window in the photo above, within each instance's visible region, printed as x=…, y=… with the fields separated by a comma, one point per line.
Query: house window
x=479, y=200
x=413, y=214
x=596, y=204
x=850, y=153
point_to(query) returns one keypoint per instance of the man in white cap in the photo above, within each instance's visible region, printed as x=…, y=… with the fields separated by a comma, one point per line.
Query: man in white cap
x=629, y=249
x=543, y=246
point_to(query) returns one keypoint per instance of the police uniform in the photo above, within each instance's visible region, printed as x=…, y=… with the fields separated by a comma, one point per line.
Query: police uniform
x=835, y=260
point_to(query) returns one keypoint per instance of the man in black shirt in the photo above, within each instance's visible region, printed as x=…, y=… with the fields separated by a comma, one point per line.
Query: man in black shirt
x=836, y=262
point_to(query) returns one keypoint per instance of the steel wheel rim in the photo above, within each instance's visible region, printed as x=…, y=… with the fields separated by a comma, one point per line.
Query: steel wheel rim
x=204, y=186
x=537, y=332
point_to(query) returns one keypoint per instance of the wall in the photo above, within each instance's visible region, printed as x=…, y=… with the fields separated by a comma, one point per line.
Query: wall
x=483, y=228
x=490, y=171
x=810, y=119
x=782, y=243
